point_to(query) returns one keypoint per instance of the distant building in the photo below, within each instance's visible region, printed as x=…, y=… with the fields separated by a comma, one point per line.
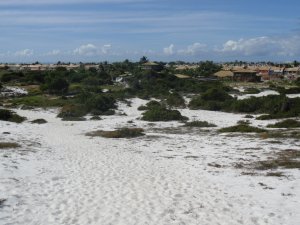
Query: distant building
x=238, y=74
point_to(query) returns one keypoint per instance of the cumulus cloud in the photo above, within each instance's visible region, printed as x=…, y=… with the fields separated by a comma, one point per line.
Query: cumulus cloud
x=263, y=46
x=24, y=53
x=193, y=49
x=169, y=50
x=86, y=50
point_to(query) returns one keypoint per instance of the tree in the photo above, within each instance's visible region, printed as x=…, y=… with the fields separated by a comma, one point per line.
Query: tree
x=144, y=59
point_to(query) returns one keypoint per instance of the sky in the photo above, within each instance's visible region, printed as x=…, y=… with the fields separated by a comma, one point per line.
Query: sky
x=163, y=30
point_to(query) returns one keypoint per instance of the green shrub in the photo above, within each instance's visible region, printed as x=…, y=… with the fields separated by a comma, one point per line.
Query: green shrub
x=40, y=101
x=142, y=108
x=99, y=104
x=8, y=115
x=162, y=114
x=175, y=100
x=199, y=124
x=241, y=128
x=119, y=133
x=252, y=91
x=39, y=121
x=71, y=112
x=289, y=123
x=215, y=94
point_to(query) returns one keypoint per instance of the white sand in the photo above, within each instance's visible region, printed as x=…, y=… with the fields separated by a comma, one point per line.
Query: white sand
x=163, y=178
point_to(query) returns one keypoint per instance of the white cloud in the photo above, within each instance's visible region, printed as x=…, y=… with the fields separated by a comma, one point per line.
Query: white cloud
x=86, y=50
x=24, y=53
x=106, y=49
x=54, y=52
x=263, y=46
x=194, y=49
x=169, y=50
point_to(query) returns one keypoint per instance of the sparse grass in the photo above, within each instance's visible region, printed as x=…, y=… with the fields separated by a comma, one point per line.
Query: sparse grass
x=288, y=123
x=119, y=133
x=41, y=101
x=198, y=123
x=281, y=134
x=39, y=121
x=287, y=159
x=4, y=145
x=241, y=128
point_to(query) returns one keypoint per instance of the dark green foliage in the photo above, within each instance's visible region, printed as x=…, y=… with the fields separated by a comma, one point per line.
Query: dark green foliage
x=249, y=116
x=11, y=76
x=175, y=100
x=252, y=91
x=8, y=115
x=72, y=111
x=40, y=101
x=199, y=124
x=162, y=114
x=241, y=128
x=99, y=104
x=289, y=123
x=119, y=133
x=215, y=94
x=39, y=121
x=213, y=99
x=56, y=85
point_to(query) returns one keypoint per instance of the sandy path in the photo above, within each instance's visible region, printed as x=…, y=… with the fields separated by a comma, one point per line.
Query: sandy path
x=74, y=179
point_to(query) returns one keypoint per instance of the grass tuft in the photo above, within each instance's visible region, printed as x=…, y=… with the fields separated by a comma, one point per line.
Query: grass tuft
x=119, y=133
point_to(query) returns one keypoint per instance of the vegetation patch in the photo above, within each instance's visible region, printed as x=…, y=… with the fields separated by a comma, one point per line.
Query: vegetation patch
x=198, y=123
x=252, y=90
x=8, y=115
x=162, y=114
x=39, y=121
x=119, y=133
x=4, y=145
x=175, y=100
x=71, y=111
x=241, y=128
x=289, y=123
x=40, y=101
x=287, y=159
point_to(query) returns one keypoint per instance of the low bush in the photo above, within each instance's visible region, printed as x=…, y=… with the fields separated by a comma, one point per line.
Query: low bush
x=72, y=111
x=249, y=116
x=119, y=133
x=4, y=145
x=40, y=101
x=197, y=123
x=289, y=123
x=39, y=121
x=252, y=91
x=162, y=114
x=175, y=100
x=8, y=115
x=241, y=128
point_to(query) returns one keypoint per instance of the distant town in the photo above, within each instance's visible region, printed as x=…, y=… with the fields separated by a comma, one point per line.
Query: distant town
x=235, y=71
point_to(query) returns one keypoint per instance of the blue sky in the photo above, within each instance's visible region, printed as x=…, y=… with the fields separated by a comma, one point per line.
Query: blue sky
x=192, y=30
